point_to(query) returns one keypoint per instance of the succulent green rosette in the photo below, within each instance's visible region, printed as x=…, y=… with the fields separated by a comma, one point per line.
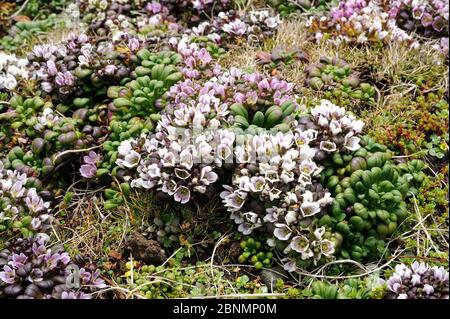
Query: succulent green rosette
x=154, y=75
x=369, y=192
x=43, y=132
x=336, y=79
x=258, y=118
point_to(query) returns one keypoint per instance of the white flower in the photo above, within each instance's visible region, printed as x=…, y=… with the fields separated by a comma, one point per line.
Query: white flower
x=154, y=171
x=130, y=160
x=169, y=187
x=308, y=167
x=415, y=279
x=182, y=194
x=168, y=160
x=234, y=200
x=327, y=247
x=282, y=232
x=440, y=274
x=351, y=142
x=186, y=159
x=419, y=268
x=34, y=202
x=274, y=193
x=300, y=244
x=428, y=289
x=289, y=265
x=182, y=173
x=271, y=242
x=291, y=217
x=325, y=200
x=272, y=176
x=287, y=177
x=257, y=184
x=273, y=22
x=124, y=148
x=319, y=232
x=328, y=146
x=207, y=176
x=237, y=27
x=272, y=214
x=309, y=208
x=322, y=121
x=394, y=283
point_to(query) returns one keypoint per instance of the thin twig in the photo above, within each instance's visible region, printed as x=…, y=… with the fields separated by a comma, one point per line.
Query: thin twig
x=75, y=151
x=20, y=9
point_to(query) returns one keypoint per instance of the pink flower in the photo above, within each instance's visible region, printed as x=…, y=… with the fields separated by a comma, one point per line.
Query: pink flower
x=154, y=7
x=204, y=57
x=88, y=170
x=263, y=85
x=92, y=158
x=7, y=275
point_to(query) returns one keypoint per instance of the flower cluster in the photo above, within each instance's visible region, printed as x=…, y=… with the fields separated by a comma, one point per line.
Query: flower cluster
x=359, y=21
x=63, y=70
x=229, y=26
x=311, y=246
x=89, y=167
x=273, y=185
x=179, y=163
x=103, y=16
x=112, y=17
x=419, y=281
x=336, y=129
x=28, y=270
x=196, y=6
x=12, y=71
x=197, y=61
x=271, y=167
x=428, y=18
x=21, y=208
x=239, y=98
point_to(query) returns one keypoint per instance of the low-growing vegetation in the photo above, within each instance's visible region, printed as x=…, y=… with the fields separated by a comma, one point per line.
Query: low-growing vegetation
x=224, y=149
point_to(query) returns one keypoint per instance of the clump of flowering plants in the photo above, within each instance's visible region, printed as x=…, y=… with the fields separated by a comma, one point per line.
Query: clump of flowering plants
x=106, y=15
x=428, y=18
x=418, y=281
x=79, y=65
x=360, y=21
x=22, y=210
x=46, y=131
x=135, y=16
x=337, y=130
x=28, y=270
x=136, y=104
x=231, y=27
x=273, y=187
x=196, y=9
x=180, y=163
x=247, y=98
x=192, y=128
x=12, y=71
